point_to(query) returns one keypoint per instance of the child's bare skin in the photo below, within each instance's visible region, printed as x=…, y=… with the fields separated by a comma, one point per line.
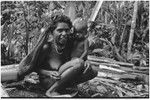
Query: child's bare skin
x=81, y=44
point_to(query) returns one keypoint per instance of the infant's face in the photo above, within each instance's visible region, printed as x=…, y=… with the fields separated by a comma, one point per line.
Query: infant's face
x=81, y=33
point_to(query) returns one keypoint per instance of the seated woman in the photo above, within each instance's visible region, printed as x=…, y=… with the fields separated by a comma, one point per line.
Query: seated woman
x=51, y=59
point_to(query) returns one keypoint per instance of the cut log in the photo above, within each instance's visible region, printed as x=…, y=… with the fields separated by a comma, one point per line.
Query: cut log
x=141, y=68
x=100, y=59
x=109, y=68
x=106, y=64
x=9, y=72
x=141, y=72
x=117, y=76
x=107, y=60
x=107, y=80
x=126, y=69
x=115, y=67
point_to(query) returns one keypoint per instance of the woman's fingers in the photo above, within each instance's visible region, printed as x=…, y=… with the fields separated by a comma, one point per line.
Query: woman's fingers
x=55, y=74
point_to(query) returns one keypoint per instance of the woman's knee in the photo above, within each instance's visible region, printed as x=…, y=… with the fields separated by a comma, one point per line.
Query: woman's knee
x=46, y=82
x=94, y=72
x=90, y=73
x=73, y=64
x=77, y=61
x=78, y=64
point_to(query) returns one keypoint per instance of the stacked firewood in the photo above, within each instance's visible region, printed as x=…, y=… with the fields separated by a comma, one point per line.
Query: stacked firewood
x=116, y=79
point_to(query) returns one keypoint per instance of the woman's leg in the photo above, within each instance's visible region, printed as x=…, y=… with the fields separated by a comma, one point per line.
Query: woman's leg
x=69, y=72
x=73, y=63
x=71, y=75
x=89, y=74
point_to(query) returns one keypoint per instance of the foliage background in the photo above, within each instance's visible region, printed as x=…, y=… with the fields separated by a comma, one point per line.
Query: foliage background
x=23, y=21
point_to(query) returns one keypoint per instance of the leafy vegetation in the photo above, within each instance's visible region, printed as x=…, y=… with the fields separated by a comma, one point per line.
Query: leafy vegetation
x=22, y=22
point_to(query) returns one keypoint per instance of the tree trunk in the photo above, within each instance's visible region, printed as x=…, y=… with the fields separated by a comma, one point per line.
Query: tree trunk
x=133, y=25
x=9, y=40
x=106, y=15
x=27, y=32
x=27, y=37
x=10, y=37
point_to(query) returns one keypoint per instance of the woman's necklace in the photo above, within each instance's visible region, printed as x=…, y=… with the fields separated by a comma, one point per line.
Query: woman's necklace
x=56, y=48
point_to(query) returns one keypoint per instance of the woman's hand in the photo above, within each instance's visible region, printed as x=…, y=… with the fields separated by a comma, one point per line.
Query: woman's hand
x=54, y=74
x=87, y=66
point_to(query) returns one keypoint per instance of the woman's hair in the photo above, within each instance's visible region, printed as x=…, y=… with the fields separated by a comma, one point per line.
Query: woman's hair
x=58, y=18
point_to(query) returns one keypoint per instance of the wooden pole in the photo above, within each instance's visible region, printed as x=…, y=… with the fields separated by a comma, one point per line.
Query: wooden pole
x=133, y=25
x=95, y=10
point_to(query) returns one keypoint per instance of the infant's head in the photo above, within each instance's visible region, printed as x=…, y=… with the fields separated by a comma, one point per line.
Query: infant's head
x=80, y=27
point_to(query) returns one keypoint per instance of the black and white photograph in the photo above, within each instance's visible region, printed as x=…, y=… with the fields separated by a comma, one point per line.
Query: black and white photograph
x=75, y=49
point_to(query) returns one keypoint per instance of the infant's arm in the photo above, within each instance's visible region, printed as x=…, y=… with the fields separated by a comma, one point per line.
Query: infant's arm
x=86, y=48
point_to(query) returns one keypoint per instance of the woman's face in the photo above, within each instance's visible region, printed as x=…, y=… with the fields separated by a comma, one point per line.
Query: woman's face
x=60, y=34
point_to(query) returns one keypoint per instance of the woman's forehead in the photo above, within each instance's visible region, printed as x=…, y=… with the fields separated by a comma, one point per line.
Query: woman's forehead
x=62, y=25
